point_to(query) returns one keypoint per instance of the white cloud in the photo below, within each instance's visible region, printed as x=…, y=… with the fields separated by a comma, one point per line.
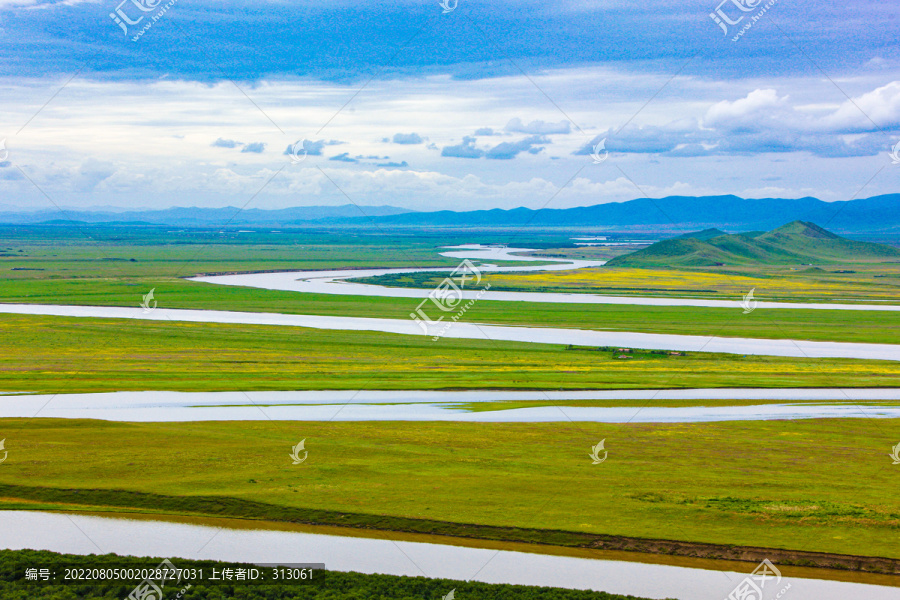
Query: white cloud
x=153, y=139
x=407, y=138
x=881, y=105
x=91, y=173
x=757, y=105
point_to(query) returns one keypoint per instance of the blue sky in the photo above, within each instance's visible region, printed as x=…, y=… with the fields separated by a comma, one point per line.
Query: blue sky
x=488, y=105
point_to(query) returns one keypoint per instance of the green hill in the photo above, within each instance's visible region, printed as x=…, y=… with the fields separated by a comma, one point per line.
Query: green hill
x=706, y=234
x=798, y=242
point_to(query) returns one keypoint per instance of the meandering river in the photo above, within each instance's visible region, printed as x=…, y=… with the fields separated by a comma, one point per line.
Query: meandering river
x=335, y=282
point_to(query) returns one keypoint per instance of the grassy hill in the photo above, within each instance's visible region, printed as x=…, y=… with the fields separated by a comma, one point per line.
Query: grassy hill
x=706, y=234
x=798, y=242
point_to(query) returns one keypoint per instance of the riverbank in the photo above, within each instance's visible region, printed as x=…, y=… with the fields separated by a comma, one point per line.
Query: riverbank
x=259, y=515
x=331, y=550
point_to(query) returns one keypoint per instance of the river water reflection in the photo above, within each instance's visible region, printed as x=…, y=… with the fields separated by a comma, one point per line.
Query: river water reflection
x=79, y=534
x=624, y=406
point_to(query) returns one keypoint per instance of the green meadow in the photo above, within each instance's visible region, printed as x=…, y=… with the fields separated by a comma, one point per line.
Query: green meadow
x=69, y=355
x=815, y=485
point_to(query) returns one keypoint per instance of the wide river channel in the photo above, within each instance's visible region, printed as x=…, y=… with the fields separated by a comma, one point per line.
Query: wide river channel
x=231, y=540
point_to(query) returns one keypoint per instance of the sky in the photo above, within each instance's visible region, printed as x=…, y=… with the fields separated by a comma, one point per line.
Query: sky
x=455, y=104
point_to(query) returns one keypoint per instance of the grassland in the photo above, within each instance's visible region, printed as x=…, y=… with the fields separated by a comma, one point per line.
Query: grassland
x=821, y=486
x=68, y=355
x=588, y=252
x=818, y=485
x=38, y=253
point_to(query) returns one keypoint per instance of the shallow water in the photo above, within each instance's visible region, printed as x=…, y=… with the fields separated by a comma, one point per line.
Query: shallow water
x=355, y=405
x=77, y=534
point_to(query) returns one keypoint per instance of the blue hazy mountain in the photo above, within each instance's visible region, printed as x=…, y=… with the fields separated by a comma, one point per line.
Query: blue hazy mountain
x=683, y=214
x=207, y=217
x=677, y=214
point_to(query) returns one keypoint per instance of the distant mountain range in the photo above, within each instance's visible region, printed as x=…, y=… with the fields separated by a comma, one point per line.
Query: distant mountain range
x=879, y=214
x=208, y=217
x=676, y=214
x=798, y=242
